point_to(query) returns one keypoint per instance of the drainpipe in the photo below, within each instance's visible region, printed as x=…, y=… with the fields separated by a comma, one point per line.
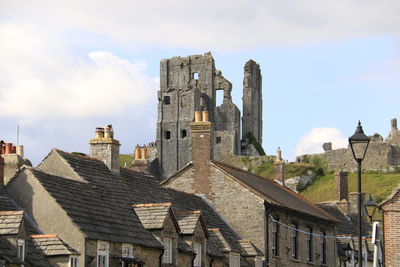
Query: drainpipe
x=211, y=262
x=160, y=257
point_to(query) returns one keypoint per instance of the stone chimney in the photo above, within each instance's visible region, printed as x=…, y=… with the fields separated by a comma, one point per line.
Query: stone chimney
x=105, y=148
x=342, y=191
x=279, y=173
x=201, y=132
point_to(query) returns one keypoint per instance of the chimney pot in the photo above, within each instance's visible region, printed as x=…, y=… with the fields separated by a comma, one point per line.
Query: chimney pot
x=8, y=149
x=20, y=151
x=197, y=116
x=99, y=132
x=205, y=115
x=14, y=149
x=137, y=152
x=108, y=131
x=143, y=152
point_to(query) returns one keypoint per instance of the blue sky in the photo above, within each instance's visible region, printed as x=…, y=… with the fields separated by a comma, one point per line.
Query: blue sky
x=68, y=68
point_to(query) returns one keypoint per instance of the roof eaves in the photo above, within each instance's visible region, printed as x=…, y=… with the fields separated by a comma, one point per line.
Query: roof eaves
x=394, y=192
x=176, y=173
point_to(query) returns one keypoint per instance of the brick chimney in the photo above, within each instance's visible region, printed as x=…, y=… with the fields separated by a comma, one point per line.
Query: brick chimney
x=105, y=148
x=201, y=152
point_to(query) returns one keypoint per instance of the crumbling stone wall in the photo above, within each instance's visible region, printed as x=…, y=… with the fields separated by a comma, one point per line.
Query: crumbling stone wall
x=252, y=100
x=381, y=155
x=188, y=84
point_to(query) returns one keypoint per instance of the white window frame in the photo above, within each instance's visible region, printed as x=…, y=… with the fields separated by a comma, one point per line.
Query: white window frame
x=234, y=260
x=103, y=251
x=127, y=250
x=73, y=261
x=198, y=250
x=21, y=249
x=167, y=256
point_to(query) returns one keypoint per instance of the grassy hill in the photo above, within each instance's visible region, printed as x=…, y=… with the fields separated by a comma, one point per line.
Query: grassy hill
x=125, y=158
x=379, y=185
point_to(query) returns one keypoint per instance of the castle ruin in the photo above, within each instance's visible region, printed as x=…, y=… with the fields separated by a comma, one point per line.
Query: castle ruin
x=191, y=83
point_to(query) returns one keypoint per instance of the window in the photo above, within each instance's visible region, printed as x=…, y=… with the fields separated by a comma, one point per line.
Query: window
x=258, y=262
x=198, y=251
x=219, y=97
x=167, y=100
x=323, y=248
x=295, y=242
x=195, y=75
x=309, y=244
x=127, y=250
x=73, y=261
x=275, y=238
x=167, y=135
x=234, y=260
x=167, y=256
x=21, y=249
x=183, y=133
x=218, y=139
x=102, y=253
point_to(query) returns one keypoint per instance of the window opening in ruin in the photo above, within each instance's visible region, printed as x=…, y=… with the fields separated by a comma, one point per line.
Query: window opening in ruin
x=219, y=97
x=218, y=139
x=183, y=133
x=167, y=100
x=167, y=135
x=195, y=75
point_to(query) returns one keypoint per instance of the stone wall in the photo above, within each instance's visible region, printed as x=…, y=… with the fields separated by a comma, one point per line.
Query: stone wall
x=381, y=154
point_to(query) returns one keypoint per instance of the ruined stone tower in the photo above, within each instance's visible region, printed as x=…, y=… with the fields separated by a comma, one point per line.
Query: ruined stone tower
x=188, y=84
x=252, y=101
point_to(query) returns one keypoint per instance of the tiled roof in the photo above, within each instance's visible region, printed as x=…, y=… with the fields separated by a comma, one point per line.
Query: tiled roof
x=8, y=252
x=184, y=247
x=104, y=192
x=6, y=203
x=216, y=244
x=35, y=256
x=249, y=248
x=96, y=208
x=347, y=224
x=52, y=245
x=10, y=222
x=187, y=221
x=274, y=193
x=152, y=215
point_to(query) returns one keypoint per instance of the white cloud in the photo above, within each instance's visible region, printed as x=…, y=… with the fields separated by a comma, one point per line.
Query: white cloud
x=41, y=78
x=215, y=24
x=312, y=141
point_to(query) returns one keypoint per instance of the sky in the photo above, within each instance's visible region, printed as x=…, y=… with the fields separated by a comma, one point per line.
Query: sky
x=67, y=67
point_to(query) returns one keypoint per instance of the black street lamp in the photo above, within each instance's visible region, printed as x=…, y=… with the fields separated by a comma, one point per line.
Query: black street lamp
x=359, y=144
x=370, y=208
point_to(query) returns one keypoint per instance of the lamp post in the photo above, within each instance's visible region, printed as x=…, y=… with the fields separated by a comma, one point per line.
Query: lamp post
x=370, y=208
x=359, y=144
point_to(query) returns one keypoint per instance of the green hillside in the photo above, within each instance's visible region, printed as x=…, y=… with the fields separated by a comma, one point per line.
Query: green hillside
x=379, y=185
x=125, y=158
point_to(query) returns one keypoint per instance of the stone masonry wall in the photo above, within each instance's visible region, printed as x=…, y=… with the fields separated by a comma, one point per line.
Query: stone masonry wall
x=284, y=258
x=391, y=219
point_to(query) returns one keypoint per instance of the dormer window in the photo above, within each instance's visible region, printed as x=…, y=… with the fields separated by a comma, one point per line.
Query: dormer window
x=21, y=249
x=234, y=260
x=167, y=256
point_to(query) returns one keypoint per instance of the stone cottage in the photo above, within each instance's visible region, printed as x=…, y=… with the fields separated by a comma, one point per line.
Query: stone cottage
x=258, y=209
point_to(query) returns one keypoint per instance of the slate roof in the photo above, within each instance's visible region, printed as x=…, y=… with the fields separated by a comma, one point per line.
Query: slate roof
x=5, y=202
x=187, y=221
x=390, y=197
x=184, y=247
x=249, y=248
x=97, y=207
x=8, y=252
x=152, y=215
x=348, y=225
x=216, y=243
x=10, y=222
x=274, y=193
x=103, y=192
x=52, y=245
